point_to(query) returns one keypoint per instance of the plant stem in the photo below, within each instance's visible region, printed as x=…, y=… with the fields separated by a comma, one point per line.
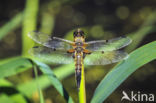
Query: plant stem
x=29, y=24
x=82, y=90
x=37, y=82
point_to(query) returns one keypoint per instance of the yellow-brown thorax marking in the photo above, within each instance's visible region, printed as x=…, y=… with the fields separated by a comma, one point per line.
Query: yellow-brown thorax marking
x=79, y=53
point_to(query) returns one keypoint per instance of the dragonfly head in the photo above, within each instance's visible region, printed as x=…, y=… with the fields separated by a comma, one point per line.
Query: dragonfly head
x=78, y=33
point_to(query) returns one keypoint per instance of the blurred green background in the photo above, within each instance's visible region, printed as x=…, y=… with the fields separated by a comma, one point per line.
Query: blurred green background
x=100, y=19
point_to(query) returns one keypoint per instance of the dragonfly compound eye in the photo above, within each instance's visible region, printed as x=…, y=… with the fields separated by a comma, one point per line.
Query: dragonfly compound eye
x=81, y=33
x=75, y=33
x=78, y=33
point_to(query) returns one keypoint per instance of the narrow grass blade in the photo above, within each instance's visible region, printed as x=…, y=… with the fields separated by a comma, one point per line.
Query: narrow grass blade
x=11, y=25
x=82, y=89
x=29, y=24
x=38, y=86
x=146, y=28
x=114, y=78
x=47, y=23
x=139, y=35
x=44, y=81
x=54, y=81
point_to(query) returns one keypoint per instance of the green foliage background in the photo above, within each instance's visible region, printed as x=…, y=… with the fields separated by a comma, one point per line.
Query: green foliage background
x=100, y=20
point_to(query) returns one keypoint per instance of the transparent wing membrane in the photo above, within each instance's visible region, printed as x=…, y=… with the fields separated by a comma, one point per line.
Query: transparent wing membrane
x=51, y=55
x=54, y=50
x=103, y=58
x=46, y=40
x=110, y=45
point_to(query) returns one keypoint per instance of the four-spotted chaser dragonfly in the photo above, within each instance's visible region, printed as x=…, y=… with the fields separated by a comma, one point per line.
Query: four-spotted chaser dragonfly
x=100, y=52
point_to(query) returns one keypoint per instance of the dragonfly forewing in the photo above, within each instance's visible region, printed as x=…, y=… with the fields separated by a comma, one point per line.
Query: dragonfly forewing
x=103, y=58
x=110, y=45
x=46, y=40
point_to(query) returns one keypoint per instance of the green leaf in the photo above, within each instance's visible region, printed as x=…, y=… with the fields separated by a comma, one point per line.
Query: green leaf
x=114, y=78
x=43, y=80
x=13, y=66
x=54, y=81
x=16, y=65
x=14, y=97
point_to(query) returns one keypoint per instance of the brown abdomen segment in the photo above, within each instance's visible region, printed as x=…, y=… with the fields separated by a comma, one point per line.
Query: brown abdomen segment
x=78, y=70
x=78, y=76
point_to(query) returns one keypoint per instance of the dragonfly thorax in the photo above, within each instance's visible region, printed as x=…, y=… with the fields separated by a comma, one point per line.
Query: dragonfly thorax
x=79, y=49
x=79, y=39
x=79, y=44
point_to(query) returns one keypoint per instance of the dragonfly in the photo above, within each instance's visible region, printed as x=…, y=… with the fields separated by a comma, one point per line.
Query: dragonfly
x=62, y=51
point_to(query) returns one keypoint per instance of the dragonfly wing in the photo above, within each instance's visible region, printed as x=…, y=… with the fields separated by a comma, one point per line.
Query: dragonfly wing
x=103, y=58
x=46, y=40
x=110, y=45
x=51, y=55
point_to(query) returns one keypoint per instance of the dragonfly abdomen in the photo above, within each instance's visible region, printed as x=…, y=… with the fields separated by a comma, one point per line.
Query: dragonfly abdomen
x=78, y=60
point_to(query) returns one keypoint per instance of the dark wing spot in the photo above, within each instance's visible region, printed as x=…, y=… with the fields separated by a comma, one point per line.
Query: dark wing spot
x=53, y=37
x=54, y=49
